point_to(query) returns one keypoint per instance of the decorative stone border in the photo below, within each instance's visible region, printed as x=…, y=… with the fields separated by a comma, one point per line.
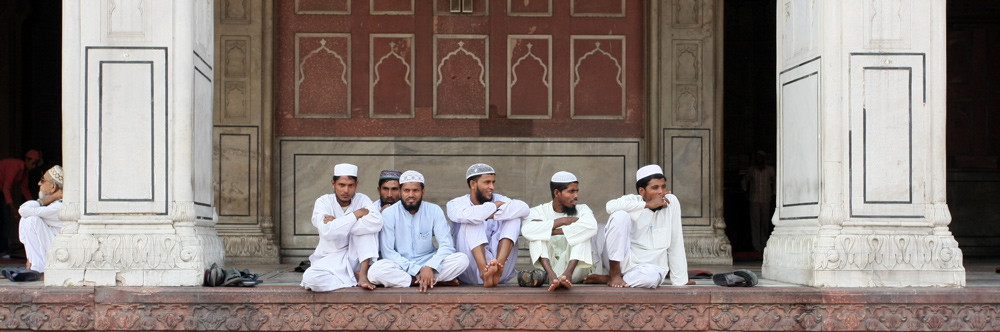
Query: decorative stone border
x=289, y=308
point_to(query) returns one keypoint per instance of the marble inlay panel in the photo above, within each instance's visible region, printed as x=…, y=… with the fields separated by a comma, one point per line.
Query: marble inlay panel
x=597, y=77
x=461, y=76
x=323, y=75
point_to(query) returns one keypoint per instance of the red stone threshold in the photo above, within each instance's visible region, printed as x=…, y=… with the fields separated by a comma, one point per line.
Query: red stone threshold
x=290, y=308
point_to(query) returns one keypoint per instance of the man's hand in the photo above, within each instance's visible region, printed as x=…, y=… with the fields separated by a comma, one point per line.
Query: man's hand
x=53, y=197
x=657, y=202
x=425, y=279
x=384, y=206
x=360, y=213
x=559, y=222
x=327, y=219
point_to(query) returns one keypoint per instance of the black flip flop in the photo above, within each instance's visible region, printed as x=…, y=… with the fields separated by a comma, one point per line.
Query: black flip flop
x=24, y=275
x=750, y=277
x=728, y=279
x=531, y=278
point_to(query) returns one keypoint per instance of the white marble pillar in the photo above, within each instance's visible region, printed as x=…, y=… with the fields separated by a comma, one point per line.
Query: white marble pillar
x=137, y=132
x=861, y=118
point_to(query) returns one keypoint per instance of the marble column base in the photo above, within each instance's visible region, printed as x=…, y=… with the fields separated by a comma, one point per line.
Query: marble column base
x=865, y=257
x=707, y=247
x=130, y=253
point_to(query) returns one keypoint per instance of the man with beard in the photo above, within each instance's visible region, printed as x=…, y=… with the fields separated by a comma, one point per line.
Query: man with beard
x=348, y=225
x=560, y=233
x=643, y=237
x=408, y=254
x=486, y=226
x=388, y=188
x=40, y=219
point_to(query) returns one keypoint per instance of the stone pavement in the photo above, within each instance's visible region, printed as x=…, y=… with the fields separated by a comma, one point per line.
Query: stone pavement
x=280, y=304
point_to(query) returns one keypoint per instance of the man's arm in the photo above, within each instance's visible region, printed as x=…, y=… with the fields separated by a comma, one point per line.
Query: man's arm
x=512, y=208
x=460, y=212
x=369, y=223
x=388, y=244
x=631, y=204
x=442, y=233
x=583, y=229
x=677, y=258
x=34, y=209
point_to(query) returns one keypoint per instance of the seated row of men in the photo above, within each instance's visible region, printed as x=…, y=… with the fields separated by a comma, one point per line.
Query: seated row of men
x=639, y=245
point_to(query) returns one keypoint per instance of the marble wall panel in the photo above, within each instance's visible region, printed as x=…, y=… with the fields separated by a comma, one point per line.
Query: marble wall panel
x=799, y=19
x=887, y=24
x=127, y=20
x=235, y=12
x=529, y=76
x=203, y=186
x=799, y=157
x=687, y=13
x=125, y=112
x=597, y=77
x=687, y=166
x=529, y=8
x=237, y=174
x=323, y=7
x=889, y=136
x=391, y=7
x=597, y=8
x=606, y=169
x=323, y=75
x=391, y=91
x=461, y=76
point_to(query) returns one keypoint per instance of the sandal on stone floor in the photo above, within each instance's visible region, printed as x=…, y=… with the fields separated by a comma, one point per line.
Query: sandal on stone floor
x=728, y=279
x=250, y=279
x=750, y=277
x=21, y=274
x=531, y=278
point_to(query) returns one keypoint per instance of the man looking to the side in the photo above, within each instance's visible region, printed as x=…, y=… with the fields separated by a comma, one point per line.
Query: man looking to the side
x=40, y=219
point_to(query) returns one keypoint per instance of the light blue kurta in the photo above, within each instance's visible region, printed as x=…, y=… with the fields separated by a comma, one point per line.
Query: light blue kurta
x=408, y=239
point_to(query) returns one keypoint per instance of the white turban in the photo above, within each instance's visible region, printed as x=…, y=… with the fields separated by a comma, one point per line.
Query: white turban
x=479, y=169
x=411, y=176
x=345, y=170
x=563, y=177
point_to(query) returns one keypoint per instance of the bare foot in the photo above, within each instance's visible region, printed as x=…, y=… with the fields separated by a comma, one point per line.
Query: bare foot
x=617, y=282
x=452, y=282
x=554, y=284
x=489, y=275
x=595, y=279
x=496, y=277
x=565, y=282
x=364, y=283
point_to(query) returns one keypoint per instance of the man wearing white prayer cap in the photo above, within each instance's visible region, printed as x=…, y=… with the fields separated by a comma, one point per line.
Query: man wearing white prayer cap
x=348, y=224
x=486, y=226
x=408, y=254
x=561, y=233
x=40, y=219
x=643, y=237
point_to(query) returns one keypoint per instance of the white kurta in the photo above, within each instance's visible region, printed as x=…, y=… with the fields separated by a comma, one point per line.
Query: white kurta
x=343, y=242
x=655, y=238
x=471, y=228
x=575, y=243
x=39, y=225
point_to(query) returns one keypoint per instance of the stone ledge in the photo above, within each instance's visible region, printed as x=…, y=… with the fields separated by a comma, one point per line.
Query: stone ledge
x=284, y=308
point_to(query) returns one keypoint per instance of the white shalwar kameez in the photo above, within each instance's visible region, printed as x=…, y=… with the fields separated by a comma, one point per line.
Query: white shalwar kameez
x=471, y=228
x=39, y=225
x=575, y=243
x=648, y=244
x=343, y=242
x=408, y=246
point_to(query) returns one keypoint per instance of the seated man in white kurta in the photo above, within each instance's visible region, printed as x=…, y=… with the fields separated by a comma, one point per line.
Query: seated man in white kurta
x=560, y=232
x=643, y=237
x=486, y=226
x=408, y=254
x=40, y=219
x=348, y=224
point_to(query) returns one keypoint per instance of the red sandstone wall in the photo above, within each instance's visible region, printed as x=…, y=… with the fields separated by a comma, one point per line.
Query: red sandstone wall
x=347, y=69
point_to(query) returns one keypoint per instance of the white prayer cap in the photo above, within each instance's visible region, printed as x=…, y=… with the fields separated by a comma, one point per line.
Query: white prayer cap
x=56, y=173
x=411, y=176
x=563, y=177
x=647, y=171
x=479, y=169
x=345, y=170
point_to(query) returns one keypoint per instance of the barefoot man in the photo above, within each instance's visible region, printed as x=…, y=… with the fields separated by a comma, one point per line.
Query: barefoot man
x=560, y=233
x=486, y=226
x=644, y=240
x=348, y=225
x=408, y=255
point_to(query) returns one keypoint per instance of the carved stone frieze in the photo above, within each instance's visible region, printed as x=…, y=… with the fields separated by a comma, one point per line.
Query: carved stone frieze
x=708, y=249
x=891, y=252
x=247, y=249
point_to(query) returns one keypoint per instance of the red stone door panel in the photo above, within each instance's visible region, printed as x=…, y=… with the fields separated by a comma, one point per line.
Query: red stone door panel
x=556, y=68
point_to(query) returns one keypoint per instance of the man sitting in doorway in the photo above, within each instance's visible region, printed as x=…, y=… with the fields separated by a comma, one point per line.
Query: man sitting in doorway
x=40, y=219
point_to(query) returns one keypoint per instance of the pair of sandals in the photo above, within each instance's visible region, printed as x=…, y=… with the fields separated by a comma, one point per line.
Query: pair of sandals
x=216, y=276
x=738, y=278
x=20, y=274
x=532, y=278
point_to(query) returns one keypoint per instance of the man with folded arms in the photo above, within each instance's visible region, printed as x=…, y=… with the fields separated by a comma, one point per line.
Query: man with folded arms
x=348, y=224
x=408, y=254
x=643, y=237
x=40, y=219
x=486, y=226
x=560, y=233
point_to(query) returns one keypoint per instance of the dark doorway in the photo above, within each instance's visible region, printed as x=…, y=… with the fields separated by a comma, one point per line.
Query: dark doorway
x=750, y=110
x=30, y=84
x=973, y=121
